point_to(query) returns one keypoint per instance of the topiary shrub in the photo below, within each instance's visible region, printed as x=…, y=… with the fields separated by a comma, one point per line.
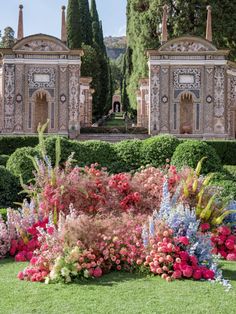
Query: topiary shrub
x=129, y=154
x=8, y=144
x=20, y=165
x=156, y=150
x=190, y=152
x=3, y=160
x=100, y=152
x=9, y=188
x=226, y=150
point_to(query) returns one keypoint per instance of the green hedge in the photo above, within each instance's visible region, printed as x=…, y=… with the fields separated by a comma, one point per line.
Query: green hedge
x=20, y=165
x=8, y=144
x=226, y=150
x=3, y=160
x=156, y=150
x=129, y=155
x=9, y=188
x=190, y=152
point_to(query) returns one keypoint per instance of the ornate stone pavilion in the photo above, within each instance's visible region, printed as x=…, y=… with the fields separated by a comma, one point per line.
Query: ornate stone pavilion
x=191, y=88
x=40, y=80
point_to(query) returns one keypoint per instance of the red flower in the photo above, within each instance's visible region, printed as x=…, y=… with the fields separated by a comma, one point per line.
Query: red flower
x=188, y=271
x=183, y=240
x=205, y=227
x=208, y=274
x=97, y=272
x=197, y=274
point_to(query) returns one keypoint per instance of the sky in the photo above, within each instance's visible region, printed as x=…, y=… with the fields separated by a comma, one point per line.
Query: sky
x=44, y=16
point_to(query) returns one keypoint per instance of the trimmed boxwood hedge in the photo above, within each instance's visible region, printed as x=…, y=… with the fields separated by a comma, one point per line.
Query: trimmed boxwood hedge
x=129, y=154
x=190, y=152
x=9, y=188
x=3, y=160
x=156, y=150
x=20, y=165
x=226, y=150
x=8, y=144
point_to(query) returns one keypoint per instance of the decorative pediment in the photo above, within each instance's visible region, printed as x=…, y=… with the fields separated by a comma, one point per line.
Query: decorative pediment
x=188, y=44
x=40, y=43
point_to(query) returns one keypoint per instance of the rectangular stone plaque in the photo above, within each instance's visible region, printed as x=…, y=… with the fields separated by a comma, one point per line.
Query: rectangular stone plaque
x=41, y=78
x=186, y=79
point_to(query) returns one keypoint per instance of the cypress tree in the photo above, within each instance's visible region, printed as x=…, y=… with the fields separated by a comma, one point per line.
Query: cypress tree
x=73, y=25
x=85, y=22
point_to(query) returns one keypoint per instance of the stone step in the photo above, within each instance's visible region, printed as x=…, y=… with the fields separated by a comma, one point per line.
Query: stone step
x=114, y=138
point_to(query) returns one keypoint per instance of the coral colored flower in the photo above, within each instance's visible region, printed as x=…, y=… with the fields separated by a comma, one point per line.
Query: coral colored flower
x=20, y=275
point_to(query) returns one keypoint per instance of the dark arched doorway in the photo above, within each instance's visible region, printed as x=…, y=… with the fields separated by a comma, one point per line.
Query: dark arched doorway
x=186, y=114
x=41, y=110
x=117, y=106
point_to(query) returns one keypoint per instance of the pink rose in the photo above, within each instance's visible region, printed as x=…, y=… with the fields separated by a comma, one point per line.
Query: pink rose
x=97, y=272
x=20, y=257
x=208, y=274
x=183, y=255
x=205, y=227
x=20, y=275
x=229, y=244
x=223, y=253
x=177, y=274
x=224, y=230
x=231, y=257
x=188, y=271
x=197, y=274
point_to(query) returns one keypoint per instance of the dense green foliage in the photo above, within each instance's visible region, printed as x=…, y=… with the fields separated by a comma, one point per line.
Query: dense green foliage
x=8, y=144
x=74, y=38
x=8, y=39
x=190, y=152
x=9, y=188
x=156, y=150
x=116, y=292
x=3, y=160
x=19, y=164
x=226, y=150
x=129, y=154
x=85, y=23
x=226, y=182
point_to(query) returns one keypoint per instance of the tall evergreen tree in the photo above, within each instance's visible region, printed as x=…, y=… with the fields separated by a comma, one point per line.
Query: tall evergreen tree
x=85, y=22
x=8, y=38
x=73, y=25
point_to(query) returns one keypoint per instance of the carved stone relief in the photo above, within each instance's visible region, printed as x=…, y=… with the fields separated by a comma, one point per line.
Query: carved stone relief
x=41, y=45
x=164, y=106
x=9, y=95
x=63, y=105
x=186, y=46
x=74, y=95
x=46, y=77
x=19, y=98
x=219, y=100
x=195, y=73
x=154, y=114
x=208, y=104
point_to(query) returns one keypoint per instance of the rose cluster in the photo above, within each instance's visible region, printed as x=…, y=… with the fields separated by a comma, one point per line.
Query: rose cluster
x=224, y=241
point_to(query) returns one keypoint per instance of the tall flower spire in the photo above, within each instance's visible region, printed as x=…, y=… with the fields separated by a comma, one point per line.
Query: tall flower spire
x=20, y=32
x=209, y=24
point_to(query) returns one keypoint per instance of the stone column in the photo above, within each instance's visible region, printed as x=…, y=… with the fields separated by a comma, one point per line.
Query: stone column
x=63, y=25
x=19, y=99
x=154, y=96
x=85, y=101
x=20, y=32
x=209, y=24
x=139, y=104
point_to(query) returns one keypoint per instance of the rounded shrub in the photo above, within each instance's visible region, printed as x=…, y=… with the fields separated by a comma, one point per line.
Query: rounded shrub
x=156, y=150
x=100, y=152
x=190, y=152
x=9, y=188
x=20, y=165
x=3, y=160
x=129, y=154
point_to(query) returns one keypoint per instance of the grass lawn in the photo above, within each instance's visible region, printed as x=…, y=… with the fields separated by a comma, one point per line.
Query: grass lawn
x=115, y=293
